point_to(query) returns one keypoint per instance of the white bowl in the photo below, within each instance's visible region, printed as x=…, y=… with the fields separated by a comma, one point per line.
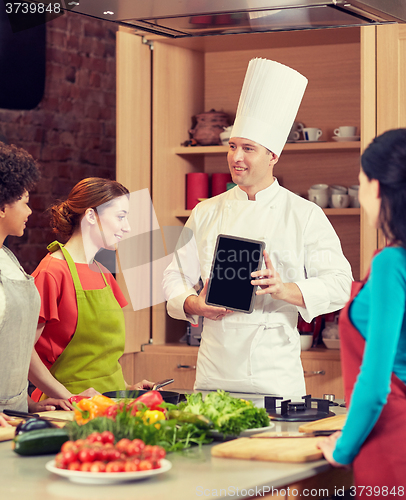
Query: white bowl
x=332, y=343
x=306, y=341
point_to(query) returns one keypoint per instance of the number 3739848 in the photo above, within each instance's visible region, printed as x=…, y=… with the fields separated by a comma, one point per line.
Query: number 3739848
x=377, y=491
x=33, y=8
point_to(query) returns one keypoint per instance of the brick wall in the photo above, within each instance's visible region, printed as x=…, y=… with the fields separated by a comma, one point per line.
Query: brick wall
x=72, y=131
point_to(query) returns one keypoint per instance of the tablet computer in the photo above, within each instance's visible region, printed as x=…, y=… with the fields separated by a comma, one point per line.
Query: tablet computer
x=230, y=276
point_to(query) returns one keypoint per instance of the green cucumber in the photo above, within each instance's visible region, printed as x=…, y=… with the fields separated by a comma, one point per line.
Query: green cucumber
x=40, y=442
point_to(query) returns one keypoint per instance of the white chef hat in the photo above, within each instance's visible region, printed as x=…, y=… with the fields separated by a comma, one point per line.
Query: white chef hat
x=269, y=101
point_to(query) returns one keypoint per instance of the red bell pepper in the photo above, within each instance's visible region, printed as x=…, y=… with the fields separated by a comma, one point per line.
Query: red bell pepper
x=151, y=399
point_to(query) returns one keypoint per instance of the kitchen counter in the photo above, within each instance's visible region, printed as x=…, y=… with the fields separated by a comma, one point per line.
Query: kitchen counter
x=194, y=474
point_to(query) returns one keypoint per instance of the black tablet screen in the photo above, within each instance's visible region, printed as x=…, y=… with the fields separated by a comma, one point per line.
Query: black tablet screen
x=230, y=280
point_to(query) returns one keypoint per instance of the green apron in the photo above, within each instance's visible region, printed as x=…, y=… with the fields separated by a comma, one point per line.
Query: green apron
x=91, y=357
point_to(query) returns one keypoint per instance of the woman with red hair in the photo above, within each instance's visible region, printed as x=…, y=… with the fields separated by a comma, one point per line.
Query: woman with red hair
x=81, y=330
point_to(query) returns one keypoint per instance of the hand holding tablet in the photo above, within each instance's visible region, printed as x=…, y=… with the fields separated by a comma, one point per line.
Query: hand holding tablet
x=230, y=284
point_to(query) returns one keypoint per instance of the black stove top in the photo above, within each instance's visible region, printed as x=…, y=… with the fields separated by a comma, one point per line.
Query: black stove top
x=304, y=410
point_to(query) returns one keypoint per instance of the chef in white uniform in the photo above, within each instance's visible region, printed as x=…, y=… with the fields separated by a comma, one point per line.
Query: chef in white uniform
x=304, y=268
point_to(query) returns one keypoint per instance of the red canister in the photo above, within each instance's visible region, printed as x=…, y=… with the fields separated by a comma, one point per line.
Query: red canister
x=219, y=183
x=197, y=186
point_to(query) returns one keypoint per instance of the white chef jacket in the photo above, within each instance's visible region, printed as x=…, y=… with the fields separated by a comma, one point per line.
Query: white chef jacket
x=259, y=352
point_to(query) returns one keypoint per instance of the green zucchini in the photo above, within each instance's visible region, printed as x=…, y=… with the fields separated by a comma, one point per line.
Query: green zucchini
x=40, y=442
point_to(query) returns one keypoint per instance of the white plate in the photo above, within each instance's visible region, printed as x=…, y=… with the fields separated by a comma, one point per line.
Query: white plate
x=106, y=477
x=346, y=139
x=246, y=433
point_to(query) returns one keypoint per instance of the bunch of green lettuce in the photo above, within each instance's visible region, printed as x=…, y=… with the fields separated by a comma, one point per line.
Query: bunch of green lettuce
x=229, y=415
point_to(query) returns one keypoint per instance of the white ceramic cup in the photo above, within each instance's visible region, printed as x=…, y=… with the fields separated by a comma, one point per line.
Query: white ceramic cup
x=339, y=200
x=311, y=134
x=319, y=187
x=353, y=194
x=319, y=196
x=345, y=131
x=306, y=341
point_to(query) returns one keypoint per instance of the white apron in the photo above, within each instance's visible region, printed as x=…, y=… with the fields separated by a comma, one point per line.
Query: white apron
x=17, y=337
x=257, y=352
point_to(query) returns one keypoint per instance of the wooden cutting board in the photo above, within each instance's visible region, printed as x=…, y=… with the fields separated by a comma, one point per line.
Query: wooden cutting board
x=7, y=433
x=271, y=450
x=325, y=424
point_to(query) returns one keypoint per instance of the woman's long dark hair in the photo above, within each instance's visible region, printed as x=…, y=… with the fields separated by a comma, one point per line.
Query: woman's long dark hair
x=385, y=160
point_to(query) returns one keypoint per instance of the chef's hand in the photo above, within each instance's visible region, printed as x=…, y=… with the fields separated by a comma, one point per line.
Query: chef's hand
x=270, y=282
x=196, y=305
x=48, y=404
x=144, y=384
x=3, y=420
x=327, y=446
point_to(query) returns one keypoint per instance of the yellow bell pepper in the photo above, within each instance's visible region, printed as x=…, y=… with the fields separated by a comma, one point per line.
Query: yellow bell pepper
x=102, y=403
x=151, y=416
x=84, y=410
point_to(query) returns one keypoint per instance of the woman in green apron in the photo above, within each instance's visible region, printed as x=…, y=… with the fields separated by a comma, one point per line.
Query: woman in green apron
x=19, y=299
x=81, y=330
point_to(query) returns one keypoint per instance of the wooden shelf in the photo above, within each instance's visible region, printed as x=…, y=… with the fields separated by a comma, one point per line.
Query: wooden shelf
x=184, y=214
x=290, y=148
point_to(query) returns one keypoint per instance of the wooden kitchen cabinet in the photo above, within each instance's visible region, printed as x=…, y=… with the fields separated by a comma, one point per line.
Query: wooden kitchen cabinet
x=322, y=370
x=159, y=90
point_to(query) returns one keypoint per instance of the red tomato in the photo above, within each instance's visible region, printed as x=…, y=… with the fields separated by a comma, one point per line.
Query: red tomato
x=60, y=461
x=87, y=455
x=69, y=457
x=131, y=466
x=79, y=443
x=113, y=454
x=157, y=452
x=107, y=437
x=94, y=437
x=148, y=451
x=68, y=445
x=122, y=445
x=116, y=466
x=85, y=467
x=111, y=412
x=75, y=465
x=135, y=448
x=98, y=467
x=145, y=465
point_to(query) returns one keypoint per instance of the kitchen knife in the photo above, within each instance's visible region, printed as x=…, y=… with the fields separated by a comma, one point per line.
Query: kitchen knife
x=22, y=414
x=269, y=435
x=158, y=385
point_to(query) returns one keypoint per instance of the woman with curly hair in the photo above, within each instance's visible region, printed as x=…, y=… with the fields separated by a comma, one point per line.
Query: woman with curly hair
x=81, y=331
x=373, y=334
x=19, y=299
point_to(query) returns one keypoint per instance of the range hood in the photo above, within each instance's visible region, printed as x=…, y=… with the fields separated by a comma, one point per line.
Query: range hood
x=186, y=18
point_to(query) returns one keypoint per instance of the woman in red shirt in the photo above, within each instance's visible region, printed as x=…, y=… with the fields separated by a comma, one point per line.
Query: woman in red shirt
x=81, y=330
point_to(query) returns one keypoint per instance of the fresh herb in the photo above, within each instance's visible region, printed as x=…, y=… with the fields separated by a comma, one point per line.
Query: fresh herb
x=170, y=434
x=229, y=415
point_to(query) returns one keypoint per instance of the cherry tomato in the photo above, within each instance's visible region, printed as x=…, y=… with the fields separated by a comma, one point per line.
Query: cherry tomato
x=145, y=465
x=75, y=465
x=157, y=452
x=60, y=461
x=80, y=443
x=135, y=448
x=87, y=455
x=116, y=466
x=98, y=467
x=122, y=445
x=85, y=467
x=69, y=445
x=94, y=437
x=148, y=451
x=69, y=456
x=113, y=454
x=131, y=466
x=107, y=437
